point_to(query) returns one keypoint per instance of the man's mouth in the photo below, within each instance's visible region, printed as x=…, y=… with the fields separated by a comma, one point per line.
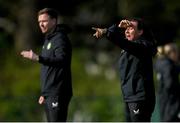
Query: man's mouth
x=42, y=28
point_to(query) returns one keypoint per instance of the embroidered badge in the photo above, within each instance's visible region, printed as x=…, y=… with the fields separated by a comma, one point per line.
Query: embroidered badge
x=49, y=46
x=54, y=104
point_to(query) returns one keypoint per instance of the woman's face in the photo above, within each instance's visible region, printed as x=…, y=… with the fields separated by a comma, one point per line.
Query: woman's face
x=132, y=32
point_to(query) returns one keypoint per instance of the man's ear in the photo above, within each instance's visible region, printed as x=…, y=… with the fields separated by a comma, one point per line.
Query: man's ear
x=54, y=21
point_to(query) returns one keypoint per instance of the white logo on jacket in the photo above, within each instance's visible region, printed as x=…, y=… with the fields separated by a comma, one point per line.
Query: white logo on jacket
x=54, y=104
x=136, y=111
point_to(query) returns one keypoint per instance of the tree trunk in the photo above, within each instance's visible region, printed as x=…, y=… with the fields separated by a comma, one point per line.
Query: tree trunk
x=26, y=25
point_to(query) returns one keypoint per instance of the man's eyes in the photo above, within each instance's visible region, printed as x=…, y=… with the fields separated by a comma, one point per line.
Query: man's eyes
x=43, y=21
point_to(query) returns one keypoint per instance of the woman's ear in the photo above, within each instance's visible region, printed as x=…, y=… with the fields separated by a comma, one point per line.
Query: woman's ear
x=141, y=32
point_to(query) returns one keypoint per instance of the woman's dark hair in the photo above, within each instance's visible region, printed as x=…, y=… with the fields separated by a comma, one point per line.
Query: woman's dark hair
x=147, y=33
x=51, y=12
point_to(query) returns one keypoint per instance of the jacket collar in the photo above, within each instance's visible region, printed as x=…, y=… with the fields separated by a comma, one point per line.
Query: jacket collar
x=63, y=28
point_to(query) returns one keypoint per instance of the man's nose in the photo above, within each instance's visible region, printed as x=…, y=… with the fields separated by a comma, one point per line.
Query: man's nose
x=41, y=24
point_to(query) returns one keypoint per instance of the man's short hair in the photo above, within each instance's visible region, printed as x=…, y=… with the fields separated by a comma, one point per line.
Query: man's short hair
x=51, y=12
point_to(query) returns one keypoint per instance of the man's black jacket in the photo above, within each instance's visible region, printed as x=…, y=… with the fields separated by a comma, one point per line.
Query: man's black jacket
x=56, y=63
x=136, y=67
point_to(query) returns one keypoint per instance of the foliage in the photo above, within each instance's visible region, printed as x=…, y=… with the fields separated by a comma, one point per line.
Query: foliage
x=92, y=91
x=19, y=89
x=96, y=87
x=96, y=109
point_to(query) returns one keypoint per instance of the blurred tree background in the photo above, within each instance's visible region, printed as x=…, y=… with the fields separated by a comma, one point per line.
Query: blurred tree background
x=96, y=86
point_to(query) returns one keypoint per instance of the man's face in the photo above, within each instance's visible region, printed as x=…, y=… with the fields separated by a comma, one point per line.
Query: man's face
x=46, y=23
x=132, y=32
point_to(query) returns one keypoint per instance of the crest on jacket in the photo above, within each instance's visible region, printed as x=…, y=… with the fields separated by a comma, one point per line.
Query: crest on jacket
x=49, y=46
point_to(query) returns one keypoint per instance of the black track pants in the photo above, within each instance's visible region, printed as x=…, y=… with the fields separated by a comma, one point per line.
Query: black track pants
x=56, y=108
x=139, y=111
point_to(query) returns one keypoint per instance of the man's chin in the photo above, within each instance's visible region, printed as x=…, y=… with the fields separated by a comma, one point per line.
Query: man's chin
x=44, y=32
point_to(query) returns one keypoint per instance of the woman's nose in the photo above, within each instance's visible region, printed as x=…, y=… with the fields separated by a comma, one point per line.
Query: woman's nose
x=127, y=31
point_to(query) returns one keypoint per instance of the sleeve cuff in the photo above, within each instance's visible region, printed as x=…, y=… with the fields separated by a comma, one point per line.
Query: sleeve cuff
x=40, y=59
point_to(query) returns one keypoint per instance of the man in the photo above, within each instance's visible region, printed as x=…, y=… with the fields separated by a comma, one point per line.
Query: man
x=55, y=60
x=135, y=63
x=168, y=70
